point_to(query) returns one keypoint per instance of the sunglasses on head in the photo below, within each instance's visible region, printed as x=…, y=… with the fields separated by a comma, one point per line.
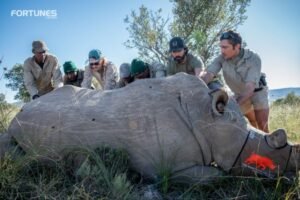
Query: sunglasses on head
x=95, y=63
x=229, y=35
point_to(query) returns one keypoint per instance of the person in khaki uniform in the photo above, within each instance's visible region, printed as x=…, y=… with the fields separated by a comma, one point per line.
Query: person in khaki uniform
x=41, y=72
x=73, y=76
x=181, y=60
x=104, y=71
x=141, y=70
x=125, y=77
x=242, y=73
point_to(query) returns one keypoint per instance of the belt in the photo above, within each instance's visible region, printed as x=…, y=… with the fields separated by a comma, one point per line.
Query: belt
x=258, y=89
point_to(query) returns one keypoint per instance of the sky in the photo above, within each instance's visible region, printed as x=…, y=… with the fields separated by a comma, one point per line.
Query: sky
x=272, y=30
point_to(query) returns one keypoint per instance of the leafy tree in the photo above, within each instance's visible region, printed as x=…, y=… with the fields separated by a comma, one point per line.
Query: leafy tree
x=199, y=23
x=16, y=82
x=2, y=99
x=148, y=34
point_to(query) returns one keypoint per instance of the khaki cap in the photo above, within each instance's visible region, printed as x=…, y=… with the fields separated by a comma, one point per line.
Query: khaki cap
x=39, y=46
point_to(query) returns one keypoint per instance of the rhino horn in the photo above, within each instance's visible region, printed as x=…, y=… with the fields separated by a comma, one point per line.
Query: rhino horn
x=277, y=139
x=219, y=101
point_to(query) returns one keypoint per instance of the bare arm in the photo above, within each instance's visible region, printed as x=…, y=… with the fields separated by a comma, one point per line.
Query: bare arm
x=249, y=91
x=207, y=76
x=198, y=71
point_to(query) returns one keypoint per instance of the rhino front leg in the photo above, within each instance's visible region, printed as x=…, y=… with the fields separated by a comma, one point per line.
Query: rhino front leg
x=197, y=174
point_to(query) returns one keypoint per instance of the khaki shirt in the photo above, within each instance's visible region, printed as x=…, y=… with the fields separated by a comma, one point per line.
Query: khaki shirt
x=108, y=81
x=41, y=81
x=237, y=72
x=188, y=66
x=77, y=82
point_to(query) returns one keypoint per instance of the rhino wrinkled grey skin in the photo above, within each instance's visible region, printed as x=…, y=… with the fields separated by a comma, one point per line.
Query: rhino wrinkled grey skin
x=174, y=122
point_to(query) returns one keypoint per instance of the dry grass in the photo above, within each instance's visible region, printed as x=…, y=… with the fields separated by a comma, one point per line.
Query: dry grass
x=286, y=116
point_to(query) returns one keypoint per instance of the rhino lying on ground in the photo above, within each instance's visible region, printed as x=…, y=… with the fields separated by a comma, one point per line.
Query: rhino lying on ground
x=176, y=122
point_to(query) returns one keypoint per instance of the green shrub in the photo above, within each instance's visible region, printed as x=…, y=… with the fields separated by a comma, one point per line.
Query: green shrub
x=290, y=99
x=7, y=113
x=285, y=113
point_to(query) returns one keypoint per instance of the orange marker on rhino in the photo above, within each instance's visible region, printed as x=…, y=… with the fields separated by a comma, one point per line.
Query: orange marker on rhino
x=261, y=162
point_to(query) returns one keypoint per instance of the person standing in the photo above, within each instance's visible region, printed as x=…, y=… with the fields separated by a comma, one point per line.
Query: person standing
x=41, y=71
x=242, y=73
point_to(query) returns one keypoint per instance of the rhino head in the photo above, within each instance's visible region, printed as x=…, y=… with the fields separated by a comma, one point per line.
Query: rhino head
x=242, y=149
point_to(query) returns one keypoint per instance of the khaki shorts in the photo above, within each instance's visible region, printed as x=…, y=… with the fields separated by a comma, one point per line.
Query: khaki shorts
x=258, y=101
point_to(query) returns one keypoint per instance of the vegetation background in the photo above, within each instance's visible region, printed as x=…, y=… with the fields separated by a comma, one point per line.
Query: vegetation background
x=105, y=173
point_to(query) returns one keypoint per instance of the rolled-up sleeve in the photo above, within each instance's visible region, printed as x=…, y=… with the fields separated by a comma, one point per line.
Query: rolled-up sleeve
x=29, y=79
x=197, y=63
x=111, y=77
x=216, y=66
x=254, y=69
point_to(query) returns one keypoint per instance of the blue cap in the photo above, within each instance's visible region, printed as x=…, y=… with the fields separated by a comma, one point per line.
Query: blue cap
x=95, y=53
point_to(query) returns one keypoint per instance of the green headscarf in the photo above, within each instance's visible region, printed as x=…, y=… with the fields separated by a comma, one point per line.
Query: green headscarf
x=137, y=67
x=69, y=66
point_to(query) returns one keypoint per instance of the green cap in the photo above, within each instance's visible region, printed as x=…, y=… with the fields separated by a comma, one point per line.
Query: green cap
x=69, y=66
x=137, y=67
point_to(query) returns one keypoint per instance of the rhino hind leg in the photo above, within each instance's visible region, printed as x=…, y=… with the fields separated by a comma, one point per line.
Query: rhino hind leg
x=197, y=174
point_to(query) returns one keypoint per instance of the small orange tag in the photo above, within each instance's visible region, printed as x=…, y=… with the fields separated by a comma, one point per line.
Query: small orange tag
x=261, y=162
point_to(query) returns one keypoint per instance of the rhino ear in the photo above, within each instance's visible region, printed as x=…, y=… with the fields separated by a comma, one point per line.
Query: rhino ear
x=277, y=139
x=219, y=101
